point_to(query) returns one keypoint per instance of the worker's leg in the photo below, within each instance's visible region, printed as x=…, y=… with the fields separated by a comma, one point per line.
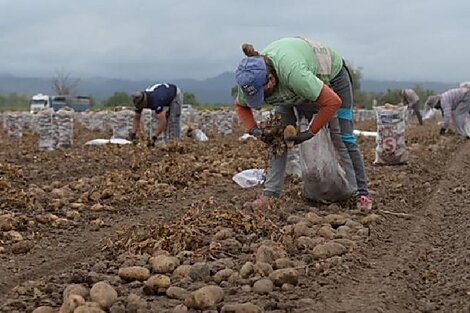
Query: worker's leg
x=341, y=84
x=415, y=107
x=460, y=115
x=277, y=164
x=343, y=153
x=174, y=118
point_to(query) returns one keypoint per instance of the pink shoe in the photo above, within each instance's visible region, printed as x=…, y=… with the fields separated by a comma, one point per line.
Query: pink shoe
x=363, y=203
x=262, y=202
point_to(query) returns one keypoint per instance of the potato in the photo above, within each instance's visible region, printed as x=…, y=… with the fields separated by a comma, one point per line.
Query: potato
x=89, y=307
x=328, y=250
x=222, y=275
x=103, y=294
x=289, y=131
x=71, y=303
x=205, y=297
x=44, y=309
x=158, y=281
x=247, y=269
x=163, y=264
x=75, y=289
x=133, y=273
x=284, y=276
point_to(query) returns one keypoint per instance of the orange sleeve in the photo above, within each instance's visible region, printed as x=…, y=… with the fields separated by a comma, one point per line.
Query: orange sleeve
x=329, y=102
x=245, y=115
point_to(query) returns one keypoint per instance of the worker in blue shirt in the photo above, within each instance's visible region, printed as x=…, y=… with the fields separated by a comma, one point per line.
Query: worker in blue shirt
x=165, y=101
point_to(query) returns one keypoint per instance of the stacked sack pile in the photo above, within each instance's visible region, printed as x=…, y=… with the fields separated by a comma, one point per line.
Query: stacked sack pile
x=149, y=123
x=55, y=128
x=225, y=122
x=63, y=122
x=362, y=115
x=207, y=123
x=13, y=122
x=46, y=129
x=122, y=123
x=28, y=120
x=101, y=121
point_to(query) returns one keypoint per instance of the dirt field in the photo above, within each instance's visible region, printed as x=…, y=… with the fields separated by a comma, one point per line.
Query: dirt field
x=80, y=215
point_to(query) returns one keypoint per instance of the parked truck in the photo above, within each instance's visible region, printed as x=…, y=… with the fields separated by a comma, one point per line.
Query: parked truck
x=39, y=102
x=78, y=103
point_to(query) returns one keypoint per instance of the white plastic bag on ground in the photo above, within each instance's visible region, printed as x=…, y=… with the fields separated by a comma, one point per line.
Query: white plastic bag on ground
x=429, y=114
x=116, y=141
x=324, y=180
x=365, y=133
x=199, y=135
x=249, y=178
x=97, y=142
x=391, y=148
x=246, y=137
x=119, y=141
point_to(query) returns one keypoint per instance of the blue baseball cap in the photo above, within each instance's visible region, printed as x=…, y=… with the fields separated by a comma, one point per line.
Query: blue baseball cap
x=251, y=76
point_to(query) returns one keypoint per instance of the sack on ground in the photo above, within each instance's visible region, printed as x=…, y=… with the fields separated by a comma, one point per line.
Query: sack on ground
x=391, y=148
x=324, y=180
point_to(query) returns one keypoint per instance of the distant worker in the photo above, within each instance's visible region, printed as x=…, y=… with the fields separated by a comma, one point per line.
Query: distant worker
x=165, y=100
x=411, y=99
x=448, y=102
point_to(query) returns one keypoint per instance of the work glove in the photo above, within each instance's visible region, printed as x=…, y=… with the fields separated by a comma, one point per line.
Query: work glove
x=151, y=142
x=261, y=135
x=133, y=138
x=442, y=131
x=256, y=132
x=301, y=137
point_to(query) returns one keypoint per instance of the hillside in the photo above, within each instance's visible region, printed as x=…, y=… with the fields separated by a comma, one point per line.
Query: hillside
x=212, y=90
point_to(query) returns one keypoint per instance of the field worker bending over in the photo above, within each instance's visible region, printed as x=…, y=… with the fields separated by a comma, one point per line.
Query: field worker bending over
x=165, y=100
x=308, y=77
x=447, y=102
x=410, y=98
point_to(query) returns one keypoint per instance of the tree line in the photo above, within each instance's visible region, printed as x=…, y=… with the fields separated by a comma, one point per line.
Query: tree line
x=63, y=84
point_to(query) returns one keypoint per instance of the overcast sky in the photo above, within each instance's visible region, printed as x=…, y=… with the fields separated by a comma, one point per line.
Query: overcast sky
x=168, y=39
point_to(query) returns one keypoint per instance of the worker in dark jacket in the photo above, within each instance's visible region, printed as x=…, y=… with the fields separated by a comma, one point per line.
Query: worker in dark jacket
x=165, y=101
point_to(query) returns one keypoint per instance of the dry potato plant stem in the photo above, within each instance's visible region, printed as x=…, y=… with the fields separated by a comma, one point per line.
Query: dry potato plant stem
x=195, y=229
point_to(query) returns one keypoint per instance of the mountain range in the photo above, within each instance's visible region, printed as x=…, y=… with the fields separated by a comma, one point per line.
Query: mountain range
x=212, y=90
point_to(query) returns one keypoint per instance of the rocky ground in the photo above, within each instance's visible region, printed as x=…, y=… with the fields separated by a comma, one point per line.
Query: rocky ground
x=131, y=229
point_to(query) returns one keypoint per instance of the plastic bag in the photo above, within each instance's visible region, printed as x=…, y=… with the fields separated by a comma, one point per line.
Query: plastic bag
x=391, y=148
x=429, y=114
x=199, y=135
x=249, y=178
x=246, y=137
x=116, y=141
x=324, y=180
x=365, y=133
